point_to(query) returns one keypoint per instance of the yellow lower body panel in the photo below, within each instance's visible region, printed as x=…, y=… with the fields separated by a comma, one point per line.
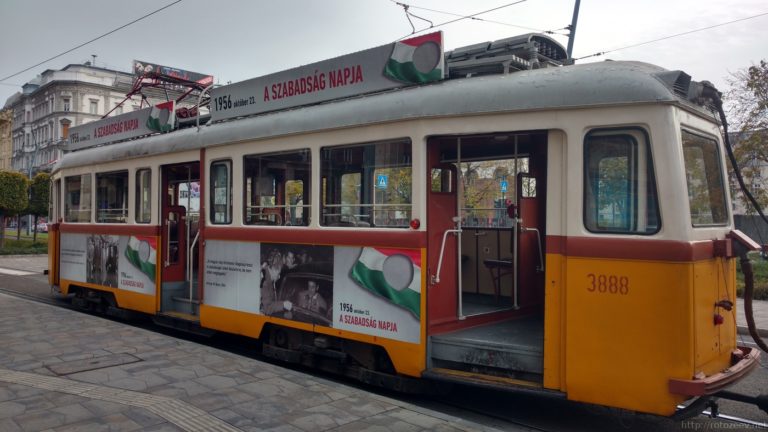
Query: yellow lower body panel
x=125, y=299
x=407, y=358
x=631, y=326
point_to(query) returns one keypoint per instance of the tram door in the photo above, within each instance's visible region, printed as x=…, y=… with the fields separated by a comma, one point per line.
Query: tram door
x=180, y=223
x=443, y=286
x=485, y=218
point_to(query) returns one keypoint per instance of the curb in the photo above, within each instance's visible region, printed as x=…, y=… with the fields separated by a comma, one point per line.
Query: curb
x=743, y=330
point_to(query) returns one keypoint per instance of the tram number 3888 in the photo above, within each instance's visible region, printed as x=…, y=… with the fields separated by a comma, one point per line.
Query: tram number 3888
x=608, y=284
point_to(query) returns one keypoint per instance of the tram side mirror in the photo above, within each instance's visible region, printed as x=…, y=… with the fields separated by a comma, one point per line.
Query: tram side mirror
x=511, y=209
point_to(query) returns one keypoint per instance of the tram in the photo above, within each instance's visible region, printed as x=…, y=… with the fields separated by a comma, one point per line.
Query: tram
x=489, y=216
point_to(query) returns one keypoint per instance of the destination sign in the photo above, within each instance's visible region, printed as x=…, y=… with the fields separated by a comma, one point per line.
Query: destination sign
x=412, y=61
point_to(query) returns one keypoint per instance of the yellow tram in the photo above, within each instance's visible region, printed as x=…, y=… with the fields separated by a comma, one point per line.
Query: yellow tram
x=488, y=216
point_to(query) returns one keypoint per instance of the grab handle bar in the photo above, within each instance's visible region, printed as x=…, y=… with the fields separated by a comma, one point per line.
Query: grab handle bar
x=436, y=277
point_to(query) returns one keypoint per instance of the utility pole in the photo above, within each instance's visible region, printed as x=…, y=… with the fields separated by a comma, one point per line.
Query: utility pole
x=572, y=34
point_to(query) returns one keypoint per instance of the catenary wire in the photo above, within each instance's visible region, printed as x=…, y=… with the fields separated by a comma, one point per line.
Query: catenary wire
x=672, y=36
x=483, y=19
x=92, y=40
x=463, y=17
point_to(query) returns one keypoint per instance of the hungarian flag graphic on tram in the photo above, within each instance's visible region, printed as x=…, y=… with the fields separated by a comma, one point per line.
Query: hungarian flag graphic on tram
x=372, y=273
x=141, y=251
x=417, y=60
x=162, y=117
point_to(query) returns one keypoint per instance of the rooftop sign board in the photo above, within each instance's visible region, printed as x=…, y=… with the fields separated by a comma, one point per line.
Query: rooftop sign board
x=159, y=118
x=142, y=67
x=412, y=61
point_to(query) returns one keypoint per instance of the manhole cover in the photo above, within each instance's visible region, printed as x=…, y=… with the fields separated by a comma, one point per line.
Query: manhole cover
x=75, y=366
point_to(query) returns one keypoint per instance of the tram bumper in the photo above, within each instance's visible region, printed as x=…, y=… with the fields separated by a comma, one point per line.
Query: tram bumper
x=743, y=360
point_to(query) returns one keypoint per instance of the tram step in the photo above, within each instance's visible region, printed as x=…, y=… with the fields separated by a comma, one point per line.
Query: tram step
x=509, y=348
x=499, y=356
x=488, y=381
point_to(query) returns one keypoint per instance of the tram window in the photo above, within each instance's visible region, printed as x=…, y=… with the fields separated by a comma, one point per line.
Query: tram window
x=112, y=197
x=619, y=183
x=143, y=195
x=367, y=185
x=221, y=192
x=704, y=177
x=442, y=180
x=53, y=201
x=486, y=188
x=277, y=188
x=77, y=204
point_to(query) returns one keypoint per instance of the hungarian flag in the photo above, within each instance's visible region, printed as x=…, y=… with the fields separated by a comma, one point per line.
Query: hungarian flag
x=142, y=253
x=417, y=60
x=162, y=117
x=368, y=272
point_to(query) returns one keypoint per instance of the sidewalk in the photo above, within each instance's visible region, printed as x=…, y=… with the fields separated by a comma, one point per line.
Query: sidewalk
x=66, y=371
x=27, y=263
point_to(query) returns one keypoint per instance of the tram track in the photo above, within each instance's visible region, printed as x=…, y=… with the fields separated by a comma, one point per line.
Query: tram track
x=530, y=413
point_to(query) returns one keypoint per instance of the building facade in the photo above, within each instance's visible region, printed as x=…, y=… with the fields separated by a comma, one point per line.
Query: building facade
x=6, y=146
x=52, y=103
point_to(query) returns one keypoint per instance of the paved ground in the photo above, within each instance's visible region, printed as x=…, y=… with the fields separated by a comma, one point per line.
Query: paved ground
x=62, y=370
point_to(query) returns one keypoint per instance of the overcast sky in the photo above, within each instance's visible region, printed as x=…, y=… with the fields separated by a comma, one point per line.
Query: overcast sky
x=239, y=39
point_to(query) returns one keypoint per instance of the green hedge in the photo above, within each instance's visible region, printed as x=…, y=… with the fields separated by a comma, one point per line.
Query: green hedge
x=24, y=247
x=760, y=270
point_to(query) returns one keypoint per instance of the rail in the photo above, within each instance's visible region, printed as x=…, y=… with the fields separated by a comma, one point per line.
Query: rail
x=190, y=255
x=538, y=238
x=436, y=276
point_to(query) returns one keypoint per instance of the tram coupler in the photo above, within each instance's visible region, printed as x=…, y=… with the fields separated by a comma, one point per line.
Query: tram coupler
x=761, y=401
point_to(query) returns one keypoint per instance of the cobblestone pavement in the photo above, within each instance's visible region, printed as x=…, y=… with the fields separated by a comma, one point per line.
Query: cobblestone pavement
x=65, y=371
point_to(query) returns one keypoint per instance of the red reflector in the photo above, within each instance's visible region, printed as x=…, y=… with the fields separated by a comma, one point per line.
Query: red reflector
x=415, y=223
x=719, y=320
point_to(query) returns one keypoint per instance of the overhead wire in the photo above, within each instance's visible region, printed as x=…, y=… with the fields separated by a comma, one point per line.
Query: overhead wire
x=599, y=53
x=475, y=18
x=462, y=17
x=92, y=40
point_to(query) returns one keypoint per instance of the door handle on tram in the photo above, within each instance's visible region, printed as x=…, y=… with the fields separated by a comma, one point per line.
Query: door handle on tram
x=435, y=278
x=168, y=243
x=540, y=268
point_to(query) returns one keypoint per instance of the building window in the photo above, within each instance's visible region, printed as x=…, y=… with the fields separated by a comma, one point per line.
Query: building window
x=143, y=196
x=118, y=109
x=64, y=130
x=66, y=104
x=94, y=109
x=112, y=197
x=221, y=192
x=277, y=188
x=619, y=183
x=704, y=176
x=77, y=193
x=367, y=185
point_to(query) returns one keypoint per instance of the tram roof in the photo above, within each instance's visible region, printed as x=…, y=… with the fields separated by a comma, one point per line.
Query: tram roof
x=568, y=87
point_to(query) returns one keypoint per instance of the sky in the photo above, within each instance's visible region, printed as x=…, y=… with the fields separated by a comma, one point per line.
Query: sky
x=235, y=40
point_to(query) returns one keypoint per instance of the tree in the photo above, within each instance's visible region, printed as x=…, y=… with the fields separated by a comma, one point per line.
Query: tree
x=13, y=198
x=747, y=101
x=39, y=188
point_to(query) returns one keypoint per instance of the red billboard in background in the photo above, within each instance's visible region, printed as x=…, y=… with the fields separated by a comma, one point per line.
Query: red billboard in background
x=141, y=67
